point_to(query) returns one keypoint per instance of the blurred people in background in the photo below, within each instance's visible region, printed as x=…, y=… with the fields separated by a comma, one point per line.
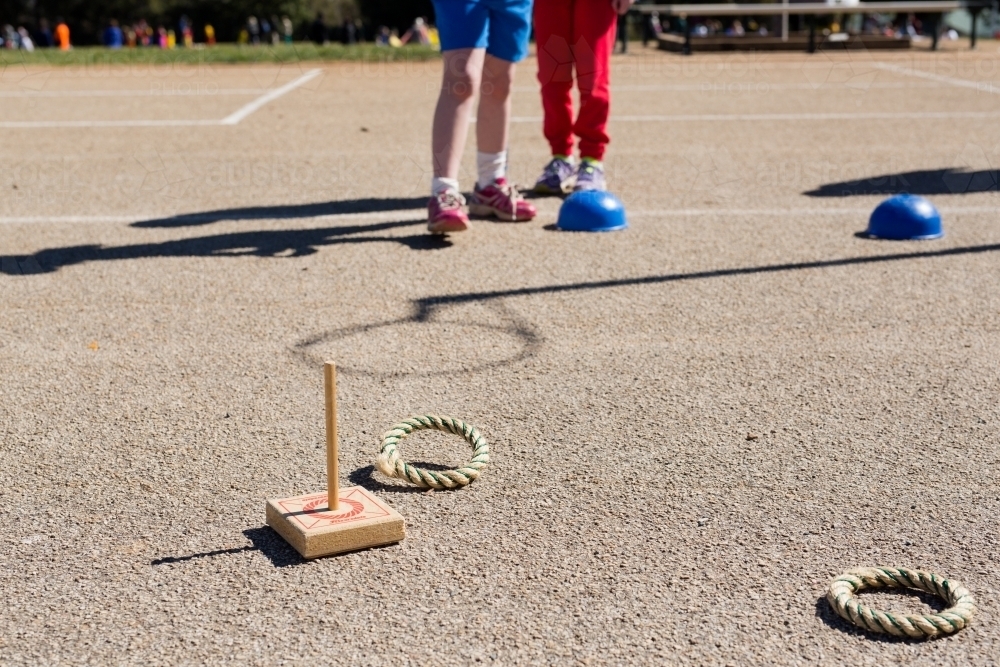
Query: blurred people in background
x=113, y=35
x=143, y=33
x=139, y=33
x=382, y=36
x=25, y=39
x=253, y=30
x=652, y=27
x=317, y=31
x=349, y=32
x=275, y=31
x=418, y=33
x=43, y=37
x=8, y=38
x=186, y=31
x=62, y=35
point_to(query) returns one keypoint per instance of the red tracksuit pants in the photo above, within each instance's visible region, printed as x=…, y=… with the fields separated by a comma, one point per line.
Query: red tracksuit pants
x=580, y=35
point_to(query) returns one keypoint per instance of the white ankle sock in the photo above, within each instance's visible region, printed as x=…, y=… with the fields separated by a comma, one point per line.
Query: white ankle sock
x=439, y=185
x=490, y=167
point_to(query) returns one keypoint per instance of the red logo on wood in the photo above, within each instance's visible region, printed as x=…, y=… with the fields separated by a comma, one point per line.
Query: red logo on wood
x=311, y=511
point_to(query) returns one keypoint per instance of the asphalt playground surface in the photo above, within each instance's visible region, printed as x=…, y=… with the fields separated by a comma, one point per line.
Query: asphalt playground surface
x=695, y=423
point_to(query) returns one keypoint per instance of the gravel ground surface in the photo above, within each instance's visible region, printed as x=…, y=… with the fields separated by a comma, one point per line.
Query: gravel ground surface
x=695, y=424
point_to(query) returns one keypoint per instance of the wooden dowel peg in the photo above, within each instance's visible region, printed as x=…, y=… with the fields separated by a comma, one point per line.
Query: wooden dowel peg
x=330, y=382
x=316, y=525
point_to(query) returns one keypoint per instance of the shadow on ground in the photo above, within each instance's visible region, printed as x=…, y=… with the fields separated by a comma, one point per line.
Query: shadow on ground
x=277, y=243
x=365, y=477
x=368, y=205
x=425, y=307
x=924, y=182
x=167, y=560
x=310, y=351
x=262, y=539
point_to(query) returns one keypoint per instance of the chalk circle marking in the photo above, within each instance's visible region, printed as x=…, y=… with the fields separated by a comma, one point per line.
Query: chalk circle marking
x=391, y=463
x=842, y=596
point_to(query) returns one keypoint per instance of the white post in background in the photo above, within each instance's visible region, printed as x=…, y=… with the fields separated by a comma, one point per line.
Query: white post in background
x=784, y=21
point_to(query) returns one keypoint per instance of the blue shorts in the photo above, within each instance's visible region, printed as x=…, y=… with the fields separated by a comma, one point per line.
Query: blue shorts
x=502, y=27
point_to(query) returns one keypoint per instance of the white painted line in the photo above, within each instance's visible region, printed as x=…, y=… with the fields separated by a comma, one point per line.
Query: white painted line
x=231, y=119
x=57, y=219
x=743, y=117
x=34, y=124
x=693, y=212
x=206, y=220
x=176, y=91
x=240, y=114
x=982, y=86
x=685, y=212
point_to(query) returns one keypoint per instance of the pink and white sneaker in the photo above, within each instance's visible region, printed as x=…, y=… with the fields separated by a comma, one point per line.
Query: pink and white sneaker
x=501, y=200
x=445, y=214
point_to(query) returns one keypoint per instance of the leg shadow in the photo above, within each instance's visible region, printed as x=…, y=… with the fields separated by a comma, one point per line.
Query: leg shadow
x=368, y=205
x=276, y=243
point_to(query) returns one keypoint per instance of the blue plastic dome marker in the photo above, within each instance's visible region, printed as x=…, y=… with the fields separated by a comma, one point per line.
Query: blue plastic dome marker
x=905, y=217
x=592, y=211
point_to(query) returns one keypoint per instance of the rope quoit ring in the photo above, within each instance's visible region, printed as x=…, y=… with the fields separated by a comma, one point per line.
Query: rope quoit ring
x=390, y=463
x=842, y=598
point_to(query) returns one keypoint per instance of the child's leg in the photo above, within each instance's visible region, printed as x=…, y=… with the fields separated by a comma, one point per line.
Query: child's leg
x=509, y=27
x=493, y=119
x=594, y=24
x=554, y=21
x=462, y=73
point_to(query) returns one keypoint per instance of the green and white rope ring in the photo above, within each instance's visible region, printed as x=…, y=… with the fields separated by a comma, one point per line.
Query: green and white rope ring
x=390, y=462
x=842, y=598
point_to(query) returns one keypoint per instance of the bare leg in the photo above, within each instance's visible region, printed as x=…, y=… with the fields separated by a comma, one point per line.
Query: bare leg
x=462, y=74
x=493, y=119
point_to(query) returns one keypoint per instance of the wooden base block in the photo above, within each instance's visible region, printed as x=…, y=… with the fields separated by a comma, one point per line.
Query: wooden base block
x=361, y=521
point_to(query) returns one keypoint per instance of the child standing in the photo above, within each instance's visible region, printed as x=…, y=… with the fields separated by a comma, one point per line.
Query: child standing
x=576, y=34
x=62, y=35
x=480, y=42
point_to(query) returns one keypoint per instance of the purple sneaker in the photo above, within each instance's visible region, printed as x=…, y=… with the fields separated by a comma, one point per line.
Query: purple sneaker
x=557, y=179
x=589, y=176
